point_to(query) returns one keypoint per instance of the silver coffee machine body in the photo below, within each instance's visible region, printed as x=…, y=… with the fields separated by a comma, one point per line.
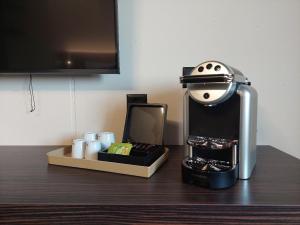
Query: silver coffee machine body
x=220, y=109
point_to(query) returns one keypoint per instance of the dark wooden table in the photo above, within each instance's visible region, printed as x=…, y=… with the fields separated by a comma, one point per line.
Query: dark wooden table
x=33, y=192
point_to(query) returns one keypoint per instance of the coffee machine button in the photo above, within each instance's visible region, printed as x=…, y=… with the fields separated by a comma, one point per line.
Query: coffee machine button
x=217, y=68
x=209, y=66
x=200, y=69
x=206, y=95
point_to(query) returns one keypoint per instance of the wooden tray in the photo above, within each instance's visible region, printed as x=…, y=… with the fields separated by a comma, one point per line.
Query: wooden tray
x=62, y=157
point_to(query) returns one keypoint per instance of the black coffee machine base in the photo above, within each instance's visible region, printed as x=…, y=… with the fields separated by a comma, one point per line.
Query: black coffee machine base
x=208, y=179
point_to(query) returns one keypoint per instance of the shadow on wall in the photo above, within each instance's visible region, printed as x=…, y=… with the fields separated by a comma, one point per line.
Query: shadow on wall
x=60, y=82
x=278, y=137
x=115, y=120
x=173, y=133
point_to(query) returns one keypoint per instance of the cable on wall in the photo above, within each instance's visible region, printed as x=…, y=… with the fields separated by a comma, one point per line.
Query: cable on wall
x=73, y=104
x=31, y=92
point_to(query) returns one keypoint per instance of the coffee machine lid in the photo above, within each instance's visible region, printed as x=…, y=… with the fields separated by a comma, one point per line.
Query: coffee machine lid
x=212, y=82
x=217, y=68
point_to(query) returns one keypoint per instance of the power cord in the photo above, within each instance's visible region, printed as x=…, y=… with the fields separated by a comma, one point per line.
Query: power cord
x=32, y=98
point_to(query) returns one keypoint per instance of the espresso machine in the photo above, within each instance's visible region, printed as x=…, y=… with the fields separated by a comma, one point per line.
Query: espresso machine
x=220, y=110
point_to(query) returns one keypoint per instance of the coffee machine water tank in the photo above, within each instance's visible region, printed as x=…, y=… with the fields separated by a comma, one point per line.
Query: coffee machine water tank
x=220, y=108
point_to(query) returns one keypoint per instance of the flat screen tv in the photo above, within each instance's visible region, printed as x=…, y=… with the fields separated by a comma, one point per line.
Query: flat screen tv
x=58, y=36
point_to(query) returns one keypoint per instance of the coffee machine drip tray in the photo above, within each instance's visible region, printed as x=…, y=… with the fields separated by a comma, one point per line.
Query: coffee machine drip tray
x=213, y=162
x=212, y=174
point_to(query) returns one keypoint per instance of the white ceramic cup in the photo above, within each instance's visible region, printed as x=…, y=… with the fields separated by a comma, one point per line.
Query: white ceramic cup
x=90, y=136
x=106, y=139
x=78, y=148
x=92, y=149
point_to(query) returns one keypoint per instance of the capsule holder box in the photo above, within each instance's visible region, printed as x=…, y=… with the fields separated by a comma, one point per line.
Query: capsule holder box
x=142, y=160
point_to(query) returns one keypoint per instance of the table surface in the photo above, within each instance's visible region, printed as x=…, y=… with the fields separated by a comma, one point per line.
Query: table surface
x=27, y=179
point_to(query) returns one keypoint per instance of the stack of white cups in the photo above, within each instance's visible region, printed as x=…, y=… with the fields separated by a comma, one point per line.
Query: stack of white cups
x=89, y=147
x=78, y=147
x=93, y=146
x=106, y=139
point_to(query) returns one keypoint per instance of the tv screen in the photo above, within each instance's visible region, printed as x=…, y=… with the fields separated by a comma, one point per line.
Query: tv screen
x=45, y=36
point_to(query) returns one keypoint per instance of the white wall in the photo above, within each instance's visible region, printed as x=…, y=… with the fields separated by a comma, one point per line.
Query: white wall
x=158, y=38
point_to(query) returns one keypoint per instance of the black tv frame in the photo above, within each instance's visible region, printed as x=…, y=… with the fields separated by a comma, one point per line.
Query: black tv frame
x=78, y=72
